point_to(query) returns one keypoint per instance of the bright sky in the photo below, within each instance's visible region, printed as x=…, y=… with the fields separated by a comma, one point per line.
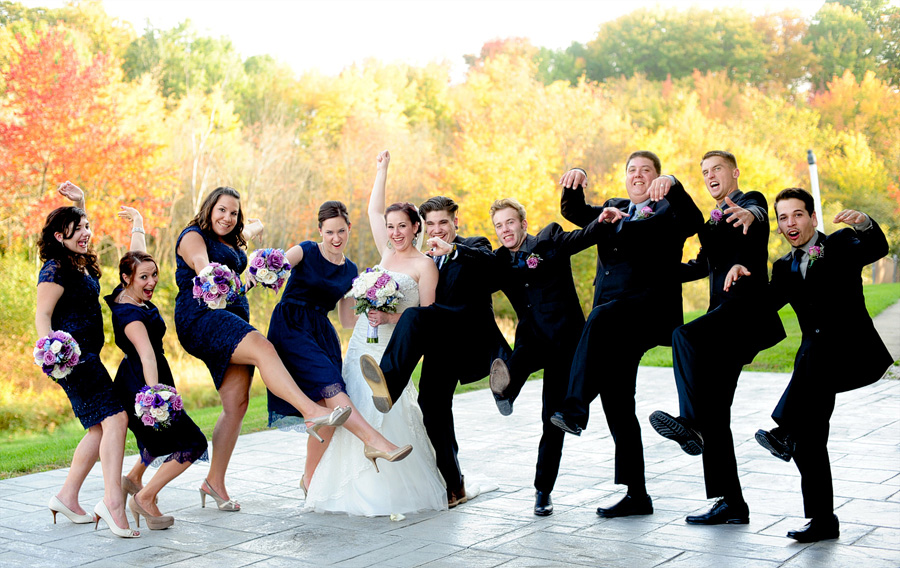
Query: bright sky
x=330, y=35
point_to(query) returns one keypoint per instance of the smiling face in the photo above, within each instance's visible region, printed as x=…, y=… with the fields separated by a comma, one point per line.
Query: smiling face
x=79, y=237
x=441, y=224
x=335, y=234
x=720, y=177
x=224, y=215
x=794, y=222
x=400, y=230
x=639, y=173
x=511, y=230
x=141, y=284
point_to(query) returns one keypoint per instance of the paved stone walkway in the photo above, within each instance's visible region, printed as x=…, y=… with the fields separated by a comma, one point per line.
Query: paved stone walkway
x=498, y=528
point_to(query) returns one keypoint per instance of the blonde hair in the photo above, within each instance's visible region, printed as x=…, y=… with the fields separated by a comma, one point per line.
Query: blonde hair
x=508, y=203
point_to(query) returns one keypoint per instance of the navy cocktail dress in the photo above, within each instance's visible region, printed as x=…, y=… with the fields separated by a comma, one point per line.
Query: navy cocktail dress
x=182, y=441
x=302, y=334
x=88, y=386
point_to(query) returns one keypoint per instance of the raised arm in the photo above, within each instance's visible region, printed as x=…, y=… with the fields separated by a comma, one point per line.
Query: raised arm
x=377, y=202
x=73, y=193
x=136, y=332
x=138, y=240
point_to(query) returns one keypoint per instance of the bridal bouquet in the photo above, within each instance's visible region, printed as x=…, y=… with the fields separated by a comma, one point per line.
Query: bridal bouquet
x=157, y=406
x=375, y=289
x=217, y=286
x=269, y=267
x=57, y=354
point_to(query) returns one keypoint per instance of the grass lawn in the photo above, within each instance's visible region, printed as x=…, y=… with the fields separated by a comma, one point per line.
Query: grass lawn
x=29, y=453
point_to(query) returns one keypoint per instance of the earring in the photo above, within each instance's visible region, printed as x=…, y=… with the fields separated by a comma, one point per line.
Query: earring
x=415, y=240
x=389, y=244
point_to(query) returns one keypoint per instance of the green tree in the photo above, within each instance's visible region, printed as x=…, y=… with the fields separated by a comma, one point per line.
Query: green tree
x=841, y=40
x=562, y=64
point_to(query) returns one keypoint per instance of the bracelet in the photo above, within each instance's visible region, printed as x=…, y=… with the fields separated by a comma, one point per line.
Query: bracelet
x=137, y=230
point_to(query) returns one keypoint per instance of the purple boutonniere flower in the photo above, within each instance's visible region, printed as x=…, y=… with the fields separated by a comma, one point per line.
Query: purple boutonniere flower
x=815, y=253
x=645, y=213
x=533, y=260
x=715, y=216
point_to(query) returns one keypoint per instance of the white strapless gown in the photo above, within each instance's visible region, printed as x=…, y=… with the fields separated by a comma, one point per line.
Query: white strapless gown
x=345, y=481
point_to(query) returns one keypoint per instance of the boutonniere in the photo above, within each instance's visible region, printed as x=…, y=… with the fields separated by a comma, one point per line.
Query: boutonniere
x=715, y=216
x=533, y=260
x=644, y=213
x=815, y=253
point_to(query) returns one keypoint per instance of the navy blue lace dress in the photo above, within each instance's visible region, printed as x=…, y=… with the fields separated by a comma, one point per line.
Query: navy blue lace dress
x=210, y=335
x=301, y=333
x=183, y=441
x=88, y=386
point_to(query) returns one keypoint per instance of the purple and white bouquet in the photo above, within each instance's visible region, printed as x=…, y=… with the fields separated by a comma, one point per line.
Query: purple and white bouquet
x=269, y=267
x=217, y=286
x=157, y=406
x=57, y=354
x=375, y=289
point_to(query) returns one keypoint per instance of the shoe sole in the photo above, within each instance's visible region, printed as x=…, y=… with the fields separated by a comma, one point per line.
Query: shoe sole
x=762, y=437
x=725, y=522
x=561, y=424
x=615, y=516
x=543, y=513
x=667, y=427
x=381, y=397
x=499, y=377
x=459, y=501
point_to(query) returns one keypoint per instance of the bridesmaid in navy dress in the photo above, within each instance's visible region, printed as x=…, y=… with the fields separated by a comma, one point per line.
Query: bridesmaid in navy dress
x=139, y=331
x=225, y=340
x=308, y=343
x=68, y=294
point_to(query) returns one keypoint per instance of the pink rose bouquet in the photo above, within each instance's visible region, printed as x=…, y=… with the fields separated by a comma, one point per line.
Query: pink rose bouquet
x=157, y=406
x=56, y=354
x=269, y=267
x=375, y=289
x=217, y=286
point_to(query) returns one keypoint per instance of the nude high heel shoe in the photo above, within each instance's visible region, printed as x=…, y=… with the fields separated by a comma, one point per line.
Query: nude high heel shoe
x=397, y=455
x=56, y=506
x=337, y=417
x=103, y=513
x=153, y=523
x=222, y=504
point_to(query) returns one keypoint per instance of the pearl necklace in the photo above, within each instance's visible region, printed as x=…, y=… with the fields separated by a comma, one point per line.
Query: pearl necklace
x=136, y=303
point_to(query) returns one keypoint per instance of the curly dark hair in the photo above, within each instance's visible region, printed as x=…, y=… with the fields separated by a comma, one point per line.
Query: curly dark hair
x=410, y=210
x=203, y=219
x=63, y=220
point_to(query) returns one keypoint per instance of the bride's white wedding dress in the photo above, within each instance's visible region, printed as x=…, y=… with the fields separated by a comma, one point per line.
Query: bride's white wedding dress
x=345, y=481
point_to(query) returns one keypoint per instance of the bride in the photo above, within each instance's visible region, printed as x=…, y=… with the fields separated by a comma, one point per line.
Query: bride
x=345, y=480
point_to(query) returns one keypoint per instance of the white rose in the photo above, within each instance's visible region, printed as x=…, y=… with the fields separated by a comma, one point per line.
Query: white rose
x=138, y=410
x=218, y=304
x=163, y=415
x=55, y=346
x=59, y=371
x=165, y=395
x=38, y=356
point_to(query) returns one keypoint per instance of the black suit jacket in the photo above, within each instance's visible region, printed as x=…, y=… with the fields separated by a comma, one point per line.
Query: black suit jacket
x=639, y=261
x=838, y=334
x=722, y=245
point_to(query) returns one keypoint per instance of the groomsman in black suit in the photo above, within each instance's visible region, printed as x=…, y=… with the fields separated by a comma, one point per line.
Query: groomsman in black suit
x=535, y=273
x=637, y=305
x=710, y=351
x=462, y=312
x=840, y=349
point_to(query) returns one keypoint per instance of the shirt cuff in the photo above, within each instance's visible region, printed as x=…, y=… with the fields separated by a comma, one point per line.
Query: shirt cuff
x=758, y=212
x=865, y=225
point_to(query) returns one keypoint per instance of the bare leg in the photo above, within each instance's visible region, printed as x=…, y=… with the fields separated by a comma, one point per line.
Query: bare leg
x=235, y=395
x=112, y=451
x=168, y=471
x=136, y=475
x=86, y=455
x=256, y=350
x=315, y=451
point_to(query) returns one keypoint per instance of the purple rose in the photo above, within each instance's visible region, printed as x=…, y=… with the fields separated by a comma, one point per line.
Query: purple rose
x=148, y=420
x=41, y=342
x=211, y=296
x=223, y=288
x=49, y=358
x=276, y=259
x=177, y=404
x=73, y=360
x=382, y=280
x=716, y=215
x=646, y=211
x=198, y=291
x=532, y=262
x=258, y=262
x=371, y=295
x=148, y=398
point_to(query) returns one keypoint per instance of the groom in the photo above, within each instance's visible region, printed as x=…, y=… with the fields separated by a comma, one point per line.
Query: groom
x=461, y=315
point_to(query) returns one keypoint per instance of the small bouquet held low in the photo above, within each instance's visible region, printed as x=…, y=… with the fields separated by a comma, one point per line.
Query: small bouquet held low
x=56, y=354
x=375, y=289
x=269, y=267
x=217, y=286
x=157, y=406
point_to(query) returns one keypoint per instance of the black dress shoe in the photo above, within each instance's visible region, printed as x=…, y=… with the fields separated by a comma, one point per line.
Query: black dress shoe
x=818, y=528
x=676, y=428
x=777, y=441
x=543, y=506
x=628, y=506
x=560, y=421
x=499, y=382
x=722, y=513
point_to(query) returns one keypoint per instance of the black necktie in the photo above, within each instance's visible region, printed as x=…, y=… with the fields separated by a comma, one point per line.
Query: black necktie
x=795, y=264
x=631, y=211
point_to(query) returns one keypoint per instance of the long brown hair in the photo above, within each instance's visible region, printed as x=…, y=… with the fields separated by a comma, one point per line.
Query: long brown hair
x=203, y=219
x=64, y=220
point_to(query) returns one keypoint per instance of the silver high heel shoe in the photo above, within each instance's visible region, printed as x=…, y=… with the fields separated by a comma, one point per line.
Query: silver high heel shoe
x=222, y=504
x=337, y=417
x=56, y=506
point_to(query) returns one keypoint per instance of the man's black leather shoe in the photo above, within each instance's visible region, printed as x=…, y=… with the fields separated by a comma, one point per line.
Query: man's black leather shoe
x=778, y=442
x=676, y=428
x=543, y=506
x=722, y=513
x=818, y=528
x=628, y=506
x=560, y=421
